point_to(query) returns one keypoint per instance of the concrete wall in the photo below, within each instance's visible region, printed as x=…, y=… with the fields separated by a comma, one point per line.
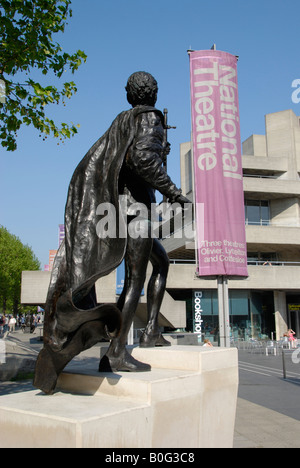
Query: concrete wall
x=280, y=130
x=285, y=212
x=35, y=285
x=266, y=189
x=260, y=278
x=280, y=313
x=255, y=145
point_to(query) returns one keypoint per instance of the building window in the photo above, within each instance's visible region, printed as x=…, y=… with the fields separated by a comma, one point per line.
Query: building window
x=257, y=212
x=262, y=258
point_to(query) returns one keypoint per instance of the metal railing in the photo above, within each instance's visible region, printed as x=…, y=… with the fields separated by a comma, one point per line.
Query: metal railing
x=272, y=263
x=178, y=261
x=268, y=222
x=264, y=176
x=260, y=346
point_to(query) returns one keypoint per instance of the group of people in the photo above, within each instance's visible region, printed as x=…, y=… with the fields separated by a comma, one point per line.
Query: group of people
x=8, y=323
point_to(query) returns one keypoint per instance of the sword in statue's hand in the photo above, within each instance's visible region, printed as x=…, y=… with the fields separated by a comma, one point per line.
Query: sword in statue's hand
x=166, y=144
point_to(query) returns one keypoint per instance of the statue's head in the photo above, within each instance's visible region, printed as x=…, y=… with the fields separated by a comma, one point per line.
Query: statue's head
x=141, y=89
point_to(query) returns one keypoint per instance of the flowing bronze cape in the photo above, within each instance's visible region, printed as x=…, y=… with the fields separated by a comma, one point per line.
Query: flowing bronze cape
x=73, y=319
x=84, y=257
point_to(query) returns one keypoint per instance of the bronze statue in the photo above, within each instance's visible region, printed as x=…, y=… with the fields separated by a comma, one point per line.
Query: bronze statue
x=127, y=161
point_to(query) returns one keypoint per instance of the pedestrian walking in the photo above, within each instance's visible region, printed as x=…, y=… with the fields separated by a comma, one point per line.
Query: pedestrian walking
x=292, y=338
x=5, y=325
x=1, y=325
x=12, y=324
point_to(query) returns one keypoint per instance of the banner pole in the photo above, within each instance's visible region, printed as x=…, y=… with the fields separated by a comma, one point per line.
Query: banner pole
x=221, y=311
x=223, y=302
x=226, y=312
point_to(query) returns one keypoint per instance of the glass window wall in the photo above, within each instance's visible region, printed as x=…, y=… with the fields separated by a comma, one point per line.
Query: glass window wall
x=257, y=212
x=251, y=314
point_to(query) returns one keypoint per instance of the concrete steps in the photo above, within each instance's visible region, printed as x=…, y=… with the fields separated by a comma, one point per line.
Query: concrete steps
x=189, y=389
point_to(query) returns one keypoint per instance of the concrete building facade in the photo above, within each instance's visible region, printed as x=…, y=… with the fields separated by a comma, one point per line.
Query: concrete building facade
x=266, y=303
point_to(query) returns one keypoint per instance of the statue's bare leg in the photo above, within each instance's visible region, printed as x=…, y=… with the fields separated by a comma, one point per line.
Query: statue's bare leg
x=136, y=261
x=155, y=294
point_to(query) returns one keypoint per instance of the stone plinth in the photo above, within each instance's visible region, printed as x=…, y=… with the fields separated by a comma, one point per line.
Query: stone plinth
x=188, y=400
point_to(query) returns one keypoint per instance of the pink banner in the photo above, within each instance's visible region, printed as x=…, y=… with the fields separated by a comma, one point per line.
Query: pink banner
x=219, y=198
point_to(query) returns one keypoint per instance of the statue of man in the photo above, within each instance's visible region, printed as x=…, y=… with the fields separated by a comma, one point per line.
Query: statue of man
x=141, y=174
x=126, y=160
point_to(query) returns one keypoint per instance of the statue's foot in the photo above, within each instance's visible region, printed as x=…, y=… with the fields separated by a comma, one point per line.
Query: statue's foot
x=123, y=363
x=152, y=340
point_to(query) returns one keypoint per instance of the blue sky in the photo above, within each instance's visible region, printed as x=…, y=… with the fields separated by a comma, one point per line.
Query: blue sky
x=124, y=36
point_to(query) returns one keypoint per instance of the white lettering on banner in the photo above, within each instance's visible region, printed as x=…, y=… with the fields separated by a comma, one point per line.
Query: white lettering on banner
x=223, y=251
x=225, y=79
x=205, y=124
x=197, y=312
x=228, y=124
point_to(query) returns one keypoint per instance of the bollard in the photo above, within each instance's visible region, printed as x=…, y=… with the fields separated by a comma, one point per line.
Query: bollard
x=283, y=365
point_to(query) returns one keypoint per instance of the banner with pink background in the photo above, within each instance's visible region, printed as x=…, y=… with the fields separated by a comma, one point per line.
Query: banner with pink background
x=218, y=177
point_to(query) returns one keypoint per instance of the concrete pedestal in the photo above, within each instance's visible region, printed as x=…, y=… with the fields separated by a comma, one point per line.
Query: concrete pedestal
x=190, y=339
x=188, y=400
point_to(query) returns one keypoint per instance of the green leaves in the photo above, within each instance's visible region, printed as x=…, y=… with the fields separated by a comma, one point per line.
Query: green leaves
x=26, y=29
x=14, y=258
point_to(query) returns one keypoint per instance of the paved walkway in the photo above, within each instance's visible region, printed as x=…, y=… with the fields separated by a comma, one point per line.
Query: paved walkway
x=256, y=425
x=260, y=427
x=268, y=411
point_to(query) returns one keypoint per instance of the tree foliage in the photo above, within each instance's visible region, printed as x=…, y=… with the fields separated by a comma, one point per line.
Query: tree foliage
x=14, y=258
x=26, y=32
